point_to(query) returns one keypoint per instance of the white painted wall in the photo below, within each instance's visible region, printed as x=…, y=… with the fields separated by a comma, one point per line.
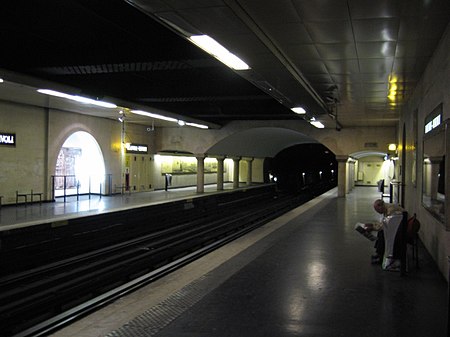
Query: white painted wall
x=432, y=90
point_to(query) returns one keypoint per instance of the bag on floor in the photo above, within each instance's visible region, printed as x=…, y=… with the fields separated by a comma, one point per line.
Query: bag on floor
x=413, y=226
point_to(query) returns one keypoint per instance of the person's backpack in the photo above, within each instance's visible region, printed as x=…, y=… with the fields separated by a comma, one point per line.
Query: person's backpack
x=413, y=226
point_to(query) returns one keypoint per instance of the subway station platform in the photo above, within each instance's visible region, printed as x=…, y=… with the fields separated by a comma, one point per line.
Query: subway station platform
x=306, y=273
x=21, y=215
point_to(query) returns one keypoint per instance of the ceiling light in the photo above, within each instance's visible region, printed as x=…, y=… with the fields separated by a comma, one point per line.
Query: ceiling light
x=215, y=49
x=1, y=80
x=299, y=110
x=181, y=123
x=195, y=125
x=76, y=98
x=152, y=115
x=317, y=124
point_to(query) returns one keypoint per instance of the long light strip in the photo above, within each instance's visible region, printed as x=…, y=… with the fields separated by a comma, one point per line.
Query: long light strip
x=299, y=110
x=316, y=123
x=152, y=115
x=76, y=98
x=86, y=100
x=195, y=125
x=169, y=119
x=215, y=49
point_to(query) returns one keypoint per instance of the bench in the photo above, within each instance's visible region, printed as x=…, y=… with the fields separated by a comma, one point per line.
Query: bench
x=26, y=195
x=122, y=188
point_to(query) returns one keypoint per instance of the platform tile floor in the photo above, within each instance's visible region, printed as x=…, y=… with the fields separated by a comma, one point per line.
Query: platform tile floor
x=307, y=273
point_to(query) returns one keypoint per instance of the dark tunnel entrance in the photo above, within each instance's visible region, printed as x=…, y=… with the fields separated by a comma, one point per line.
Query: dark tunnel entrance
x=303, y=168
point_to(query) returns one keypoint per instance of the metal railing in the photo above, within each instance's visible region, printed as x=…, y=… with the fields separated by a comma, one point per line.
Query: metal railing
x=71, y=185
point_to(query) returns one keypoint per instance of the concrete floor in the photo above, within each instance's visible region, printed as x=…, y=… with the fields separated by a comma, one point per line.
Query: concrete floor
x=307, y=273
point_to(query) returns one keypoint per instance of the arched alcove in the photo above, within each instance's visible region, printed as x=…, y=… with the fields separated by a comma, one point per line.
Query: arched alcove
x=79, y=166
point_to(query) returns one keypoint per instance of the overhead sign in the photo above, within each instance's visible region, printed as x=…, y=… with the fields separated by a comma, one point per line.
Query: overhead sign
x=8, y=139
x=433, y=119
x=136, y=148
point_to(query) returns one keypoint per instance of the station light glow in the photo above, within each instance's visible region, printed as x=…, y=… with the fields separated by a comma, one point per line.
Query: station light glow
x=77, y=98
x=121, y=117
x=316, y=123
x=215, y=49
x=299, y=110
x=195, y=125
x=168, y=119
x=153, y=115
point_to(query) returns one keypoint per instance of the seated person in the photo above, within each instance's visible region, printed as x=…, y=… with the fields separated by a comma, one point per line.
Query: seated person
x=389, y=212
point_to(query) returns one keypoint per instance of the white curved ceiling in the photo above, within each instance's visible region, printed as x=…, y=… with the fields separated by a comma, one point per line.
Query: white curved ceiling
x=259, y=142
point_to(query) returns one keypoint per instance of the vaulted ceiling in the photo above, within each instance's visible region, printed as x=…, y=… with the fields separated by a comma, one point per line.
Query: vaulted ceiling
x=339, y=59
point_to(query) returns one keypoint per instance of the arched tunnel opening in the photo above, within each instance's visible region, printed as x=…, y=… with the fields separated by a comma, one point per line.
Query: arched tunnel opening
x=303, y=168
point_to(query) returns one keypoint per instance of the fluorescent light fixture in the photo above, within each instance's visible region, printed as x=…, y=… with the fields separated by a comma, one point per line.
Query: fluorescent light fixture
x=76, y=98
x=152, y=115
x=195, y=125
x=215, y=49
x=169, y=119
x=299, y=110
x=317, y=124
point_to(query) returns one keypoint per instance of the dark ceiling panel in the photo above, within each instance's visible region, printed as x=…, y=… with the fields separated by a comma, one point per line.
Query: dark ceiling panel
x=324, y=10
x=330, y=31
x=336, y=51
x=376, y=49
x=271, y=12
x=375, y=30
x=344, y=66
x=290, y=33
x=302, y=52
x=369, y=9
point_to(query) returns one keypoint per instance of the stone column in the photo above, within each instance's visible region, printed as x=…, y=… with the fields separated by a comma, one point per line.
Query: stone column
x=200, y=172
x=351, y=174
x=342, y=175
x=249, y=171
x=220, y=173
x=236, y=172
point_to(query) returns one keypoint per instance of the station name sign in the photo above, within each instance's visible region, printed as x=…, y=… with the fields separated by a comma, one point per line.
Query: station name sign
x=136, y=148
x=8, y=139
x=433, y=119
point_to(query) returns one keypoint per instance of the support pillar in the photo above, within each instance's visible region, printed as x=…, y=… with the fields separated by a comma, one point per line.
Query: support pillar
x=351, y=174
x=200, y=172
x=249, y=171
x=236, y=172
x=342, y=175
x=220, y=161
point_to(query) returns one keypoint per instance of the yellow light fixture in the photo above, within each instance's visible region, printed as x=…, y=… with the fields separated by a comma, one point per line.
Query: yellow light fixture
x=392, y=147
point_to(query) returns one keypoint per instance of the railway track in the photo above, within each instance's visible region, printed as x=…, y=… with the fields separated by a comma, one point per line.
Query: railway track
x=39, y=300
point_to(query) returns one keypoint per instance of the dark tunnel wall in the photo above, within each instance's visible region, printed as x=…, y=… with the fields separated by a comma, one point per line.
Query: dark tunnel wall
x=304, y=168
